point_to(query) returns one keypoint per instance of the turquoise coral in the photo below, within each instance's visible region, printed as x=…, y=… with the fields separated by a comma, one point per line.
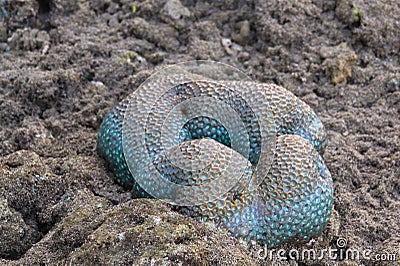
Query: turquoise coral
x=293, y=201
